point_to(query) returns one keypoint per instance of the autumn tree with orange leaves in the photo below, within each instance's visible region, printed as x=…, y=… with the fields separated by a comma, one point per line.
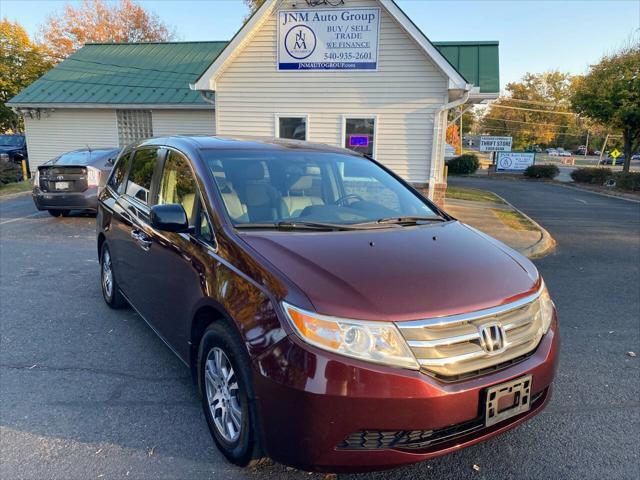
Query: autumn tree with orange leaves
x=99, y=21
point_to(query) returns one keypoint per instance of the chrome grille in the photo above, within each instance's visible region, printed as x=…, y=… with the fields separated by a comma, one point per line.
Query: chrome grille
x=457, y=345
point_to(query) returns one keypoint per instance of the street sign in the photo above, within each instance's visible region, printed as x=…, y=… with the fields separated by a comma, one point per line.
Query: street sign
x=495, y=144
x=615, y=154
x=515, y=162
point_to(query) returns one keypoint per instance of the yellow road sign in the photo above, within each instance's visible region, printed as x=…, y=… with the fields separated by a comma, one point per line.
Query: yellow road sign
x=615, y=153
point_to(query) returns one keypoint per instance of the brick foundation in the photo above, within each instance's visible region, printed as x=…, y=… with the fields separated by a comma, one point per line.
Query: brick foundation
x=438, y=193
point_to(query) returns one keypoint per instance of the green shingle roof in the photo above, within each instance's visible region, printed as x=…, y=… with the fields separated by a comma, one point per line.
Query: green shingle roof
x=478, y=62
x=125, y=73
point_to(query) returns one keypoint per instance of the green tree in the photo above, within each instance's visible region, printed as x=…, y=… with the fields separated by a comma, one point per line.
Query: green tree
x=536, y=111
x=610, y=93
x=21, y=62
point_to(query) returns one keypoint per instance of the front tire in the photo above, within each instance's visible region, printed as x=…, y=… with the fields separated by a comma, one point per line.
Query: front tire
x=228, y=401
x=110, y=290
x=55, y=213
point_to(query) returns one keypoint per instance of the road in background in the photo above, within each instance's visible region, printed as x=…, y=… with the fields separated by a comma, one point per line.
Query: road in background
x=87, y=392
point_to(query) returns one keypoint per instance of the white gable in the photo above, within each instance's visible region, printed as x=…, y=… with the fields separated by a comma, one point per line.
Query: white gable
x=208, y=79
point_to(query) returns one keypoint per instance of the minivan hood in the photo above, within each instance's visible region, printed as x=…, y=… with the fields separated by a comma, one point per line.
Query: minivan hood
x=396, y=274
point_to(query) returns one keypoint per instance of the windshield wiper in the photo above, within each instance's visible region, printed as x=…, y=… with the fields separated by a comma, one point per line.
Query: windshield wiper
x=294, y=225
x=409, y=220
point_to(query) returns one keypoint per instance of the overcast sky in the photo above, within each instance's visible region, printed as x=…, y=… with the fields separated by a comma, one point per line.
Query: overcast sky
x=534, y=36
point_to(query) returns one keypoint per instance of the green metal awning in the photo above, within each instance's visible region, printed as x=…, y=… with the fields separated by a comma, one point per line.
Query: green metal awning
x=478, y=62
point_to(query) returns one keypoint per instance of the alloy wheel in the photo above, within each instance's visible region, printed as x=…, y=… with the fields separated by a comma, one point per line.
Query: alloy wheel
x=223, y=398
x=107, y=274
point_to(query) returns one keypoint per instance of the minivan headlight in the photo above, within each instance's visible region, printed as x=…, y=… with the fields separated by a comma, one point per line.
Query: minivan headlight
x=378, y=342
x=546, y=309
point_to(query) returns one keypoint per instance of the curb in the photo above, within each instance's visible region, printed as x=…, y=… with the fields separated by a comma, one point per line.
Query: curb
x=602, y=194
x=542, y=247
x=9, y=196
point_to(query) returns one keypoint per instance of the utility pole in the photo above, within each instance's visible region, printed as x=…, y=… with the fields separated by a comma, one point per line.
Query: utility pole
x=586, y=150
x=461, y=137
x=604, y=144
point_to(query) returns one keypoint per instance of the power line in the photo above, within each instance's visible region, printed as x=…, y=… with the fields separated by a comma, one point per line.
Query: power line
x=527, y=123
x=156, y=70
x=532, y=102
x=493, y=105
x=83, y=82
x=507, y=129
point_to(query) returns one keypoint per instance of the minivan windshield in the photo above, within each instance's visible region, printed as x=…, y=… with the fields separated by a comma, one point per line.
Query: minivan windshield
x=309, y=188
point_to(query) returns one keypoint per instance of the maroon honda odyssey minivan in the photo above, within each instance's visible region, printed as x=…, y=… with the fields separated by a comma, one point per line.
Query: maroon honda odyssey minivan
x=332, y=318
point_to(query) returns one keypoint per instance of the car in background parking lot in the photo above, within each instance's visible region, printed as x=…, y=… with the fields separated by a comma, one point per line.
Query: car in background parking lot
x=72, y=180
x=611, y=161
x=13, y=148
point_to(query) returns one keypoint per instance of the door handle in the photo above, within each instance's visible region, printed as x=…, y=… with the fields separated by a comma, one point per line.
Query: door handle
x=142, y=238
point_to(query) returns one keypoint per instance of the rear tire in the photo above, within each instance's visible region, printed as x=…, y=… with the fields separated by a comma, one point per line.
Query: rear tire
x=228, y=401
x=55, y=213
x=110, y=290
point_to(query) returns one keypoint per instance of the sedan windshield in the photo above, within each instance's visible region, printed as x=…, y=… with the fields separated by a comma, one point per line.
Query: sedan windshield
x=262, y=188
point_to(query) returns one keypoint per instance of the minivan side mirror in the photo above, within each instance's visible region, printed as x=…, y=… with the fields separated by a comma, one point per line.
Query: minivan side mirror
x=170, y=217
x=18, y=157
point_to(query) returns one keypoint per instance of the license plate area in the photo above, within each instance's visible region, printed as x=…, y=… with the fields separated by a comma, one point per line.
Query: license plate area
x=507, y=400
x=62, y=185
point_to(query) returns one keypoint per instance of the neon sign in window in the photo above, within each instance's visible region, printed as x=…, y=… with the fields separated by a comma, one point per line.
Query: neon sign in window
x=359, y=134
x=358, y=140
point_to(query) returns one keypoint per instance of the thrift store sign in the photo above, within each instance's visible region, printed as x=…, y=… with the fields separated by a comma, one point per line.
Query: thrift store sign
x=336, y=39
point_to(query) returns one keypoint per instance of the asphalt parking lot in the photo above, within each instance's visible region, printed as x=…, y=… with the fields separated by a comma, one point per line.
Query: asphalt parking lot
x=87, y=392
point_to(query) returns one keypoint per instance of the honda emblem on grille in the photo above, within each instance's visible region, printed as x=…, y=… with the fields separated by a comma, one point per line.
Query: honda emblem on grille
x=59, y=177
x=492, y=338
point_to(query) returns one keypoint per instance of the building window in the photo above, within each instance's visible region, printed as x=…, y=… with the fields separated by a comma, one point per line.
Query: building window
x=133, y=126
x=291, y=127
x=359, y=134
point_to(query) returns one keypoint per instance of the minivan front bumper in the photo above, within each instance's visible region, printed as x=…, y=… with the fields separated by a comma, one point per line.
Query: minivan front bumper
x=325, y=412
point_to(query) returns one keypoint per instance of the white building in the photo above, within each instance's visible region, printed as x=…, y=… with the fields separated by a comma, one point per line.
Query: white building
x=359, y=75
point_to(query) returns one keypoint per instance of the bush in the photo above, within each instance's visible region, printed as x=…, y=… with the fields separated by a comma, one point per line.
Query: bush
x=541, y=171
x=9, y=172
x=596, y=175
x=463, y=165
x=627, y=181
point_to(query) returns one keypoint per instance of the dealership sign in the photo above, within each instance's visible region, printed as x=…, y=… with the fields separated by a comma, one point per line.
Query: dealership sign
x=495, y=144
x=336, y=39
x=514, y=161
